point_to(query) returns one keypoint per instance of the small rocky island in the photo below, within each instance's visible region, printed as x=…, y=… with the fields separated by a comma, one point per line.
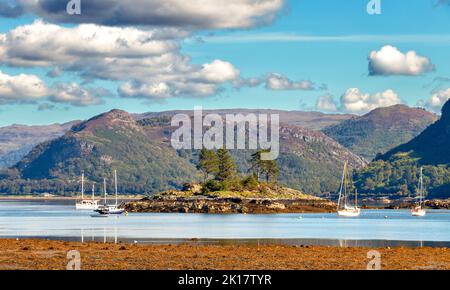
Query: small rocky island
x=224, y=190
x=271, y=199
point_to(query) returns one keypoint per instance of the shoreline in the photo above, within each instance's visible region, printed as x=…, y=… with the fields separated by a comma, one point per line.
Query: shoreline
x=52, y=255
x=68, y=198
x=228, y=205
x=312, y=242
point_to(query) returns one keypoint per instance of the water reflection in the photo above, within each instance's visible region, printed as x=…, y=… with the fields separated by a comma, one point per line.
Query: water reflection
x=55, y=220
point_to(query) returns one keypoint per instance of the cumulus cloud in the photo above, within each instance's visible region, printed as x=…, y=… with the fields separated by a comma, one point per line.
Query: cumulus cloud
x=218, y=72
x=147, y=62
x=196, y=14
x=26, y=88
x=280, y=82
x=326, y=103
x=77, y=96
x=390, y=61
x=22, y=88
x=247, y=82
x=357, y=102
x=145, y=90
x=202, y=82
x=277, y=82
x=436, y=101
x=44, y=44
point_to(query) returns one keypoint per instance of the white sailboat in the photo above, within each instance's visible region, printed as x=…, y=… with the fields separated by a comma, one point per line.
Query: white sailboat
x=344, y=209
x=110, y=209
x=419, y=210
x=86, y=204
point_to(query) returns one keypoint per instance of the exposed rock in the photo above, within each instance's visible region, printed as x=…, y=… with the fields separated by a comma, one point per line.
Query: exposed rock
x=438, y=203
x=201, y=204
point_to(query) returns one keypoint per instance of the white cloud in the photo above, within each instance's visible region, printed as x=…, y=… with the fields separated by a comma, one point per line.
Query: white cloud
x=44, y=44
x=25, y=88
x=147, y=62
x=437, y=100
x=280, y=82
x=357, y=102
x=326, y=103
x=145, y=90
x=390, y=61
x=22, y=88
x=77, y=96
x=218, y=72
x=194, y=14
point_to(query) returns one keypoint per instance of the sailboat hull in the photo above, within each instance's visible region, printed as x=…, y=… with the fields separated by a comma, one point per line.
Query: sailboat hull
x=418, y=212
x=86, y=205
x=107, y=210
x=349, y=212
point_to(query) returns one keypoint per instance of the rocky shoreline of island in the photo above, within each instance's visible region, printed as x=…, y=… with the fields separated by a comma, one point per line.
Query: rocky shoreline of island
x=267, y=200
x=208, y=205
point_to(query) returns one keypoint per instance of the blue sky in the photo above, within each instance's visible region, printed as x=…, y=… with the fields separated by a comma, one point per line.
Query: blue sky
x=324, y=42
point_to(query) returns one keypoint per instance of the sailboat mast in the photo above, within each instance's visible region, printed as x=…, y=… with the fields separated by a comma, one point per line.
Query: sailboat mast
x=340, y=190
x=345, y=183
x=93, y=191
x=421, y=185
x=82, y=185
x=115, y=183
x=104, y=187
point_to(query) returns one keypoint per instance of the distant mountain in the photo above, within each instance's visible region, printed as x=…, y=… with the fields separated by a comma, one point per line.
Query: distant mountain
x=113, y=140
x=308, y=120
x=432, y=146
x=397, y=171
x=381, y=130
x=141, y=152
x=311, y=161
x=17, y=140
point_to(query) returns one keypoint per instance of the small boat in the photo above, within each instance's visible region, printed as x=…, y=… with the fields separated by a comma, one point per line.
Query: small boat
x=106, y=209
x=419, y=210
x=344, y=209
x=86, y=204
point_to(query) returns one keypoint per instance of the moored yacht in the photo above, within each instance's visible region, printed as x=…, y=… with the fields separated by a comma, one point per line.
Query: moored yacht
x=344, y=209
x=86, y=204
x=419, y=210
x=107, y=209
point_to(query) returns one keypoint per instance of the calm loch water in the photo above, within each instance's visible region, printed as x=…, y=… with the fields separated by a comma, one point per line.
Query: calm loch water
x=58, y=219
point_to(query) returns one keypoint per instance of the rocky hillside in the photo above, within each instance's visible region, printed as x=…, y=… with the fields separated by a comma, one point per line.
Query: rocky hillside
x=309, y=160
x=432, y=146
x=113, y=140
x=16, y=141
x=397, y=171
x=381, y=130
x=309, y=120
x=141, y=151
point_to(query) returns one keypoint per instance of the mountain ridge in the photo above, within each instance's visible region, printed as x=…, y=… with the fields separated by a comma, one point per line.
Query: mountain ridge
x=397, y=171
x=381, y=129
x=146, y=162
